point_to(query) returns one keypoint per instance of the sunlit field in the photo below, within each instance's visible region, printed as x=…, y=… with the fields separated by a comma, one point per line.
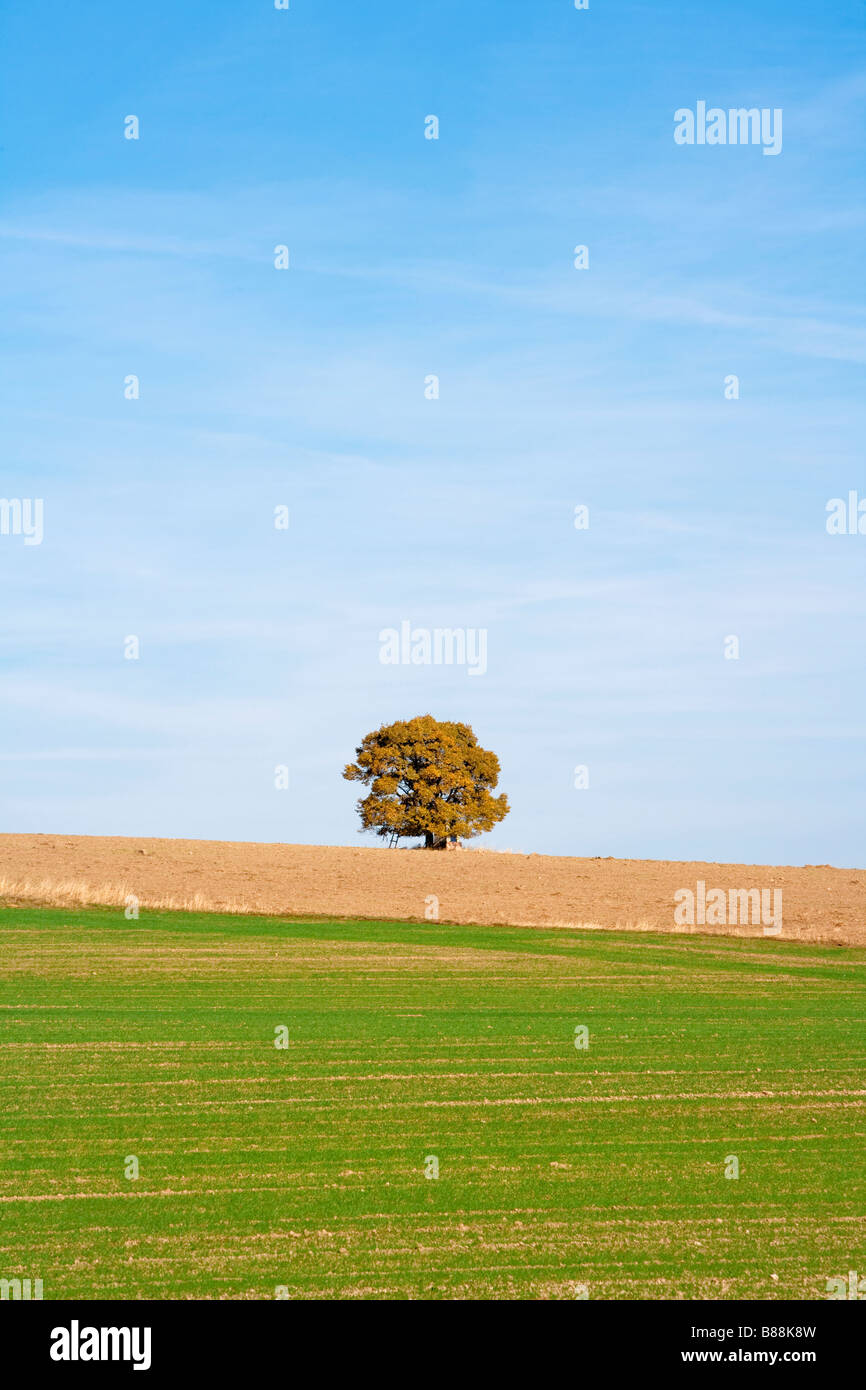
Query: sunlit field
x=286, y=1092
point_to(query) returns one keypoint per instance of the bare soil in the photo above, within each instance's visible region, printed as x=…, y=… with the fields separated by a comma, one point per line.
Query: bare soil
x=819, y=903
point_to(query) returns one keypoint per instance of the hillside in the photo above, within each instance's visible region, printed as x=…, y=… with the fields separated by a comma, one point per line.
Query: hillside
x=819, y=903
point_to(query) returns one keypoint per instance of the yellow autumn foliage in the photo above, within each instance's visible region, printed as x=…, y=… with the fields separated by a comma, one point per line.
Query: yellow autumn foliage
x=427, y=779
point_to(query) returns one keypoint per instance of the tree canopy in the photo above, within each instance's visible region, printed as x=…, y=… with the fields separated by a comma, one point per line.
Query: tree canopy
x=428, y=779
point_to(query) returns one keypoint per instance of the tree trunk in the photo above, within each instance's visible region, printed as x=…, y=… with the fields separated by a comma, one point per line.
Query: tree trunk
x=429, y=839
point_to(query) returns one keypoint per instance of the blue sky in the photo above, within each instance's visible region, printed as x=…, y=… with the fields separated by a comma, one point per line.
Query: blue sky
x=558, y=387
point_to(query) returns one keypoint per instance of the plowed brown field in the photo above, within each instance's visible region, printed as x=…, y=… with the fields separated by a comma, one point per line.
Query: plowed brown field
x=819, y=903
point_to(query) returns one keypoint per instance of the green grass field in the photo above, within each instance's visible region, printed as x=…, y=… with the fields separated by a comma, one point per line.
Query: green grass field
x=303, y=1168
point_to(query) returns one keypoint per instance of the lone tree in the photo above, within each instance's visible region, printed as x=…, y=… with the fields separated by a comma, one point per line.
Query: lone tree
x=426, y=778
